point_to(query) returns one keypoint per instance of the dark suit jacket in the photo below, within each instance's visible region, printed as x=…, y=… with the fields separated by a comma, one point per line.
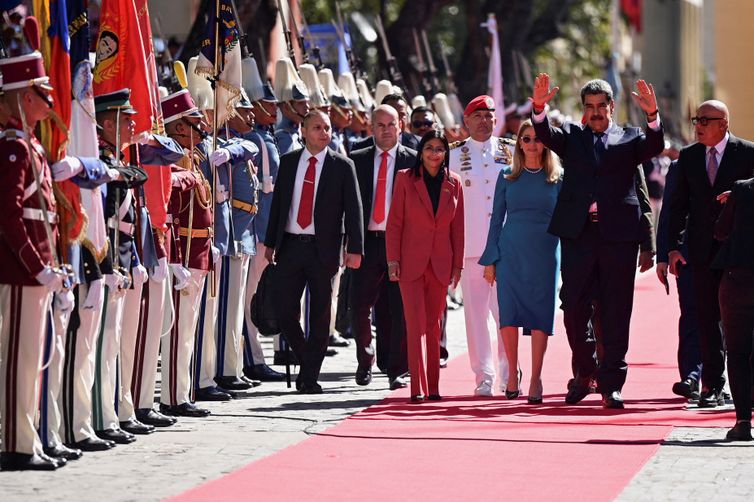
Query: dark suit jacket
x=337, y=195
x=611, y=183
x=735, y=226
x=695, y=198
x=364, y=161
x=671, y=181
x=407, y=139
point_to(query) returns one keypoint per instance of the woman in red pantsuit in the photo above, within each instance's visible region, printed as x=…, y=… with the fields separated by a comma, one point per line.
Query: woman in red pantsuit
x=424, y=239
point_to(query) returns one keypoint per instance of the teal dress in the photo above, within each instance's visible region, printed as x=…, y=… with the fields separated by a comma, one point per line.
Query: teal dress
x=525, y=255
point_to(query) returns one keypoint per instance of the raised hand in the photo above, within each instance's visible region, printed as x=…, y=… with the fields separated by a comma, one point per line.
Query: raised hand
x=542, y=93
x=645, y=98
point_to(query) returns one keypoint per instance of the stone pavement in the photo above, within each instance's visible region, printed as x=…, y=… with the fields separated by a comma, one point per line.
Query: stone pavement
x=690, y=466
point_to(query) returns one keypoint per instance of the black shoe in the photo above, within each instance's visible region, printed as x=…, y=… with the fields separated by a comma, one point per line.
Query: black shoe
x=310, y=388
x=398, y=383
x=92, y=444
x=711, y=398
x=336, y=340
x=232, y=383
x=58, y=461
x=534, y=400
x=11, y=461
x=184, y=410
x=612, y=400
x=263, y=373
x=331, y=352
x=116, y=435
x=363, y=376
x=210, y=394
x=417, y=399
x=740, y=432
x=577, y=390
x=250, y=381
x=152, y=417
x=443, y=362
x=434, y=397
x=281, y=358
x=135, y=427
x=688, y=388
x=60, y=451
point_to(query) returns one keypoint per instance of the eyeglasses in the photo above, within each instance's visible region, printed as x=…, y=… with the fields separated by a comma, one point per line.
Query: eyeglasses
x=438, y=150
x=703, y=121
x=422, y=123
x=529, y=139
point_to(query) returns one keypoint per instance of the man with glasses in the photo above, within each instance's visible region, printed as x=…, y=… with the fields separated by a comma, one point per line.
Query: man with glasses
x=706, y=169
x=423, y=120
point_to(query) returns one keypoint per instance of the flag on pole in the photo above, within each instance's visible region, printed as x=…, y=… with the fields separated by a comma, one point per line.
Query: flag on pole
x=121, y=60
x=142, y=11
x=220, y=58
x=83, y=124
x=495, y=75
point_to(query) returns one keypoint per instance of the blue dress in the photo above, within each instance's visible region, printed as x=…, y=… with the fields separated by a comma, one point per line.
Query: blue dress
x=525, y=255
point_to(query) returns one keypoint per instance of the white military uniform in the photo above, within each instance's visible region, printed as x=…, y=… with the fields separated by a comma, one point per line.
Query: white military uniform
x=478, y=165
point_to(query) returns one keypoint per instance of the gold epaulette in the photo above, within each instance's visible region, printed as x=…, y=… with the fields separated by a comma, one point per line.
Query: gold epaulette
x=508, y=141
x=456, y=144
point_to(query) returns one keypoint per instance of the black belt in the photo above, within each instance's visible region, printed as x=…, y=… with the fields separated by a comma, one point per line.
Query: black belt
x=300, y=237
x=593, y=218
x=378, y=234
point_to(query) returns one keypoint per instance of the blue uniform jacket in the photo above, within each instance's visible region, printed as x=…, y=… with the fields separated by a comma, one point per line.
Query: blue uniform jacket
x=262, y=137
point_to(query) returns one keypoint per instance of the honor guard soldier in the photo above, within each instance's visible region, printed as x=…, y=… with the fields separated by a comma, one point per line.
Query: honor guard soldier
x=478, y=161
x=341, y=112
x=293, y=104
x=31, y=274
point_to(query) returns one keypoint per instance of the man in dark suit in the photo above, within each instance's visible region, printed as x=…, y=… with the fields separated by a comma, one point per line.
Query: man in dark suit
x=736, y=258
x=376, y=168
x=316, y=188
x=706, y=169
x=406, y=139
x=599, y=221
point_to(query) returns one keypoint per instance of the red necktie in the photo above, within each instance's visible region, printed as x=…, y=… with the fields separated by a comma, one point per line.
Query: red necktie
x=306, y=205
x=379, y=201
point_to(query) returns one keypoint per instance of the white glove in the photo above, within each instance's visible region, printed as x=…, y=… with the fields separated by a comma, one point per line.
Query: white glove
x=182, y=276
x=219, y=157
x=66, y=168
x=267, y=185
x=160, y=272
x=143, y=138
x=112, y=174
x=64, y=301
x=50, y=279
x=96, y=294
x=221, y=194
x=114, y=281
x=215, y=254
x=139, y=274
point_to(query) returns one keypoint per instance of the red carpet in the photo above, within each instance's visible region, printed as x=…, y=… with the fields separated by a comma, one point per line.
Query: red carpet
x=464, y=447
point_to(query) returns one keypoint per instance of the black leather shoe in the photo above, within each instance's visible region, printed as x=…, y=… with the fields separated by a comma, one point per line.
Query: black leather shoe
x=363, y=376
x=612, y=401
x=688, y=388
x=740, y=432
x=250, y=381
x=58, y=461
x=711, y=398
x=231, y=383
x=210, y=394
x=60, y=451
x=310, y=388
x=92, y=444
x=152, y=417
x=135, y=427
x=434, y=397
x=398, y=383
x=336, y=340
x=184, y=410
x=11, y=461
x=263, y=373
x=282, y=359
x=577, y=390
x=443, y=362
x=417, y=399
x=331, y=352
x=116, y=435
x=512, y=394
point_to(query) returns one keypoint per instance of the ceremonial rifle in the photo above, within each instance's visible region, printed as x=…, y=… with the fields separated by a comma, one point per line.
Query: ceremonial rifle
x=169, y=79
x=395, y=74
x=431, y=65
x=299, y=37
x=450, y=84
x=422, y=66
x=287, y=33
x=312, y=41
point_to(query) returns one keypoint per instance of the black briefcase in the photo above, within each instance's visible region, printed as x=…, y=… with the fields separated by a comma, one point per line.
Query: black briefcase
x=262, y=308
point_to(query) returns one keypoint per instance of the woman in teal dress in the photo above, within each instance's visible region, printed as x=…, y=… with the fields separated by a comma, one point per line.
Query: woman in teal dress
x=522, y=256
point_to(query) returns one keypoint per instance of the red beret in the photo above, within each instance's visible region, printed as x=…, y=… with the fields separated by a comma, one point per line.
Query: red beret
x=483, y=102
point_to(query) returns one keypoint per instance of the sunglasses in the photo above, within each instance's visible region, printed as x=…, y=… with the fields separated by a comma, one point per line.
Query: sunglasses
x=422, y=123
x=529, y=139
x=703, y=121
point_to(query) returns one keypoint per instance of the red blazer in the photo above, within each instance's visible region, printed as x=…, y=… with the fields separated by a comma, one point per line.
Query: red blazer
x=415, y=236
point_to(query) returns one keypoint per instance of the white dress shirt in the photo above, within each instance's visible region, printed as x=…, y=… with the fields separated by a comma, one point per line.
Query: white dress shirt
x=292, y=226
x=373, y=225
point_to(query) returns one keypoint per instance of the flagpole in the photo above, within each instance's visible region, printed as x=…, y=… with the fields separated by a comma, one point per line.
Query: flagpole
x=215, y=125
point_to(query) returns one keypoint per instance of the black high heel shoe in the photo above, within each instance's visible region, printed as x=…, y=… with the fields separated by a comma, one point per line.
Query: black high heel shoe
x=419, y=398
x=513, y=394
x=535, y=399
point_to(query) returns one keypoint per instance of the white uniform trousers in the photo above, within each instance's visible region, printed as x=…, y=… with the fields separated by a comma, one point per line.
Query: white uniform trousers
x=479, y=300
x=155, y=326
x=133, y=318
x=252, y=347
x=24, y=315
x=178, y=347
x=230, y=315
x=205, y=350
x=50, y=417
x=104, y=393
x=78, y=372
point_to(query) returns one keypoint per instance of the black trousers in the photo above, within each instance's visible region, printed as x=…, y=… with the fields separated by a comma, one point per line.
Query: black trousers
x=737, y=309
x=598, y=271
x=298, y=265
x=706, y=287
x=368, y=283
x=689, y=353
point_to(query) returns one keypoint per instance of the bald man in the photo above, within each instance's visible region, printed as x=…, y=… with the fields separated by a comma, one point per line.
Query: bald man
x=706, y=169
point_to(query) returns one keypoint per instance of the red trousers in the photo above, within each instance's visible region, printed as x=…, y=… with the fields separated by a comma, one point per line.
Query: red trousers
x=423, y=305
